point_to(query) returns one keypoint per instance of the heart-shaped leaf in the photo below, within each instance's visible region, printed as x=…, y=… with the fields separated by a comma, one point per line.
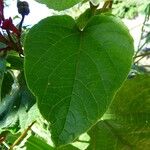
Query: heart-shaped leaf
x=74, y=73
x=59, y=5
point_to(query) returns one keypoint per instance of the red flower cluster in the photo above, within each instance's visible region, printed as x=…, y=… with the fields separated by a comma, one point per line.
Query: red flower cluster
x=7, y=24
x=10, y=35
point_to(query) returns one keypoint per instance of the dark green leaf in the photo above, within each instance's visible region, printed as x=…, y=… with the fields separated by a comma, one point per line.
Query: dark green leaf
x=7, y=83
x=104, y=137
x=59, y=5
x=27, y=112
x=2, y=45
x=126, y=124
x=2, y=67
x=8, y=109
x=27, y=98
x=2, y=71
x=74, y=73
x=16, y=105
x=15, y=62
x=132, y=102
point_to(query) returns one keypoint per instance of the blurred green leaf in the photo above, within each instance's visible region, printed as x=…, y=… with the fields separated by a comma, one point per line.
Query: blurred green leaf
x=126, y=125
x=15, y=62
x=26, y=118
x=2, y=71
x=27, y=98
x=8, y=109
x=35, y=143
x=16, y=106
x=59, y=5
x=7, y=83
x=104, y=137
x=11, y=138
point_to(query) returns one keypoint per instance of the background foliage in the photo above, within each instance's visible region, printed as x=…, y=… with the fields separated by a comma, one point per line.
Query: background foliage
x=124, y=124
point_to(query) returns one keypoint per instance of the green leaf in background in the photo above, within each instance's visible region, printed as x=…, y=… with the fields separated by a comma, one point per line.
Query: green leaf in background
x=7, y=83
x=104, y=138
x=132, y=102
x=11, y=138
x=2, y=71
x=27, y=98
x=74, y=73
x=15, y=62
x=8, y=109
x=35, y=143
x=16, y=105
x=27, y=112
x=126, y=125
x=59, y=5
x=2, y=67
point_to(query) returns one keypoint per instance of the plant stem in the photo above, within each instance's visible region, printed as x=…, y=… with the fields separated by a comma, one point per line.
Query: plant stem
x=9, y=36
x=107, y=4
x=6, y=145
x=21, y=23
x=82, y=141
x=93, y=8
x=139, y=60
x=142, y=55
x=19, y=37
x=22, y=136
x=142, y=30
x=146, y=66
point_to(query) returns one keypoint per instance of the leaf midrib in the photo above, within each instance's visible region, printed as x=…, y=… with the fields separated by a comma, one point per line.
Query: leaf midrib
x=76, y=70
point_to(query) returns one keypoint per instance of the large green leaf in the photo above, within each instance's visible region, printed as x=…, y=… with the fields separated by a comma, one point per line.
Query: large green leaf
x=59, y=5
x=74, y=73
x=126, y=124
